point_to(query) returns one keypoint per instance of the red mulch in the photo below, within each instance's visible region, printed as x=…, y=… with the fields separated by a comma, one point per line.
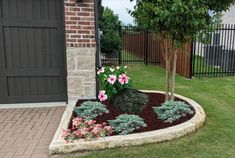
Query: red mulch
x=149, y=116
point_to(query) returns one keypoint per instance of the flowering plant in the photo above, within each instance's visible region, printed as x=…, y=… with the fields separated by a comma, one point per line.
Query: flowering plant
x=87, y=129
x=112, y=80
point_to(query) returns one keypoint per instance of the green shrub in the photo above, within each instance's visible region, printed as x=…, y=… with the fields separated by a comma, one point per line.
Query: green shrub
x=110, y=39
x=90, y=110
x=125, y=124
x=110, y=42
x=130, y=101
x=171, y=111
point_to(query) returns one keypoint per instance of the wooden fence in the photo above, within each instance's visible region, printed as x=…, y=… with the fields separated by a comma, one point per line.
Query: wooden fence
x=144, y=46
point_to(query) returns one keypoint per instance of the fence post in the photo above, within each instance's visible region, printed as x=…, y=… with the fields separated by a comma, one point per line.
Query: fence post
x=119, y=57
x=192, y=59
x=146, y=47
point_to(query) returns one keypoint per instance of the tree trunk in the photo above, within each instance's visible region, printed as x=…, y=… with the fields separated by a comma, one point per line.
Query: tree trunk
x=173, y=74
x=167, y=80
x=167, y=71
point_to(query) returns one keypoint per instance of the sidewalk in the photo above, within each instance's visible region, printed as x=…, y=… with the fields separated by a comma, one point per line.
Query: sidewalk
x=27, y=132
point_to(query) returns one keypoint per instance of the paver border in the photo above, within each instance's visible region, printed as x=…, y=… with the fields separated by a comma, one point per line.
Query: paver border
x=58, y=145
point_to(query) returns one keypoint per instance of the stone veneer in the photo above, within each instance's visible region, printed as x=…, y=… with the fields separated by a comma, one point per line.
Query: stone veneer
x=80, y=49
x=81, y=73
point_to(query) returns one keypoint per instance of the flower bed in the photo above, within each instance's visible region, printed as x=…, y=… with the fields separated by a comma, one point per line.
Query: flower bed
x=149, y=116
x=162, y=132
x=122, y=110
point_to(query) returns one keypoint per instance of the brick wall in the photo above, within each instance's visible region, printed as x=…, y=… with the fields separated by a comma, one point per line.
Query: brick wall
x=80, y=50
x=80, y=23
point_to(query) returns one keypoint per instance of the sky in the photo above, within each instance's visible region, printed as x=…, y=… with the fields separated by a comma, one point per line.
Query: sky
x=120, y=8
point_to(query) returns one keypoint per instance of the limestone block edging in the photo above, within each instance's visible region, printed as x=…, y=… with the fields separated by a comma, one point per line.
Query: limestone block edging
x=58, y=146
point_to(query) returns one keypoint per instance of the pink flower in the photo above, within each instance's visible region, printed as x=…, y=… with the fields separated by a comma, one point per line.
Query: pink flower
x=95, y=131
x=65, y=132
x=83, y=132
x=112, y=79
x=89, y=122
x=109, y=128
x=78, y=133
x=101, y=70
x=123, y=78
x=86, y=129
x=66, y=141
x=102, y=96
x=98, y=126
x=77, y=121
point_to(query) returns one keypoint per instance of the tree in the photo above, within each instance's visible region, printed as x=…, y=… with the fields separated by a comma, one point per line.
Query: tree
x=111, y=26
x=177, y=22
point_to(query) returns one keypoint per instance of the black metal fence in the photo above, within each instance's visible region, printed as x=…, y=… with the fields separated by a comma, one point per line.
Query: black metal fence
x=140, y=46
x=218, y=57
x=110, y=46
x=137, y=46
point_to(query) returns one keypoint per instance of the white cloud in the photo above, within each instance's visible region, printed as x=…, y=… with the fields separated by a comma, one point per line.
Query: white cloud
x=120, y=7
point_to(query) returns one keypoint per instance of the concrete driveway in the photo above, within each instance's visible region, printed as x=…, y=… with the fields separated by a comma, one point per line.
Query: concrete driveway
x=27, y=132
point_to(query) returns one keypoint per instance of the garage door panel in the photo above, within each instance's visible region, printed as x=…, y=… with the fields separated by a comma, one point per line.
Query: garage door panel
x=33, y=86
x=30, y=9
x=32, y=57
x=31, y=47
x=34, y=99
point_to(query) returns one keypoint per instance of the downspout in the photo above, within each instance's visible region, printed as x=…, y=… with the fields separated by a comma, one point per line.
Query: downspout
x=97, y=63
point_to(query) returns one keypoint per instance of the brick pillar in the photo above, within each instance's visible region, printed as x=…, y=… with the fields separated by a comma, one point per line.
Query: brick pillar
x=81, y=49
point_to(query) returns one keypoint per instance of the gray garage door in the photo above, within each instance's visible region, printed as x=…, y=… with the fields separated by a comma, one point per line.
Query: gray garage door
x=32, y=60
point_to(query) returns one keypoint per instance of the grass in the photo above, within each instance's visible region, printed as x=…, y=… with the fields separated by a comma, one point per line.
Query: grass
x=201, y=67
x=126, y=56
x=215, y=140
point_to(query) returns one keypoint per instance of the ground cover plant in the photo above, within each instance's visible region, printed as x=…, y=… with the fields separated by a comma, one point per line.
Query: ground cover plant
x=171, y=111
x=89, y=110
x=125, y=124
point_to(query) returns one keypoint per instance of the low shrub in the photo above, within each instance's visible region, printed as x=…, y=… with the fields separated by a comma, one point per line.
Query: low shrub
x=90, y=110
x=171, y=111
x=130, y=101
x=125, y=124
x=87, y=129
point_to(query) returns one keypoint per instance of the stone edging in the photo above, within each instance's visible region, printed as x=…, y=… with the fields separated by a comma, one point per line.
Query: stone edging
x=58, y=146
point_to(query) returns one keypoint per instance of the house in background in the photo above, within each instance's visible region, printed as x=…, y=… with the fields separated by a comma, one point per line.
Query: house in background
x=47, y=51
x=229, y=16
x=220, y=52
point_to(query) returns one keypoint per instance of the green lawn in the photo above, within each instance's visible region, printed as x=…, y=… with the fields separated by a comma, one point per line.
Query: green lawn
x=201, y=67
x=215, y=140
x=126, y=56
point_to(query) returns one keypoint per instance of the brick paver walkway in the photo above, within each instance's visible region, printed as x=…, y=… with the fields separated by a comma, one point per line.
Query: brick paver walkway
x=27, y=133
